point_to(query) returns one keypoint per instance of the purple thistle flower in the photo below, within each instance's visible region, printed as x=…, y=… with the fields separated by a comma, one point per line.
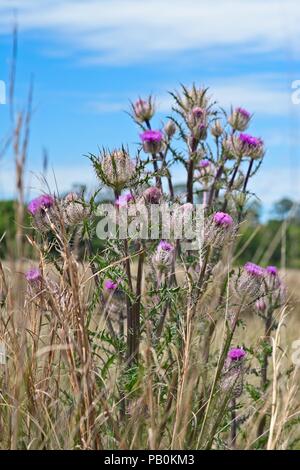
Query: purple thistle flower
x=33, y=206
x=243, y=112
x=123, y=200
x=272, y=270
x=221, y=218
x=33, y=275
x=253, y=142
x=204, y=163
x=152, y=141
x=244, y=145
x=254, y=269
x=44, y=201
x=165, y=246
x=236, y=354
x=233, y=372
x=151, y=136
x=110, y=285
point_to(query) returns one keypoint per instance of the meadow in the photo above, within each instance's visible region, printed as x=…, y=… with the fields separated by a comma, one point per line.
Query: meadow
x=144, y=342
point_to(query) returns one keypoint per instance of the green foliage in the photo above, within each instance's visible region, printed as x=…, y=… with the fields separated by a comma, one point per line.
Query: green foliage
x=263, y=243
x=7, y=225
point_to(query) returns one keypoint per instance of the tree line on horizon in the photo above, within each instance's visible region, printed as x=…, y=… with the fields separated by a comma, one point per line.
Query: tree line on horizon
x=276, y=239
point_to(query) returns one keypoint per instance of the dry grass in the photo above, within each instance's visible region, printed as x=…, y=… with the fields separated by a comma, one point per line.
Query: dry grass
x=56, y=395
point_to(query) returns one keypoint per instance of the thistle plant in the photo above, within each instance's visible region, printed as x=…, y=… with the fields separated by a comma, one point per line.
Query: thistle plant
x=134, y=344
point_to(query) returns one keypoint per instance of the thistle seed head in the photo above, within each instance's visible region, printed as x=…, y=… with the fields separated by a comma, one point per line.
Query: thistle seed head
x=117, y=170
x=74, y=209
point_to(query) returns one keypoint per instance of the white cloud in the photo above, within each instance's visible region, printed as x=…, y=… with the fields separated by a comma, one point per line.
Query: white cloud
x=259, y=98
x=260, y=95
x=129, y=31
x=117, y=31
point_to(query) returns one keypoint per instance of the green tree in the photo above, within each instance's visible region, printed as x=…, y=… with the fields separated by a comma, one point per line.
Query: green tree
x=282, y=208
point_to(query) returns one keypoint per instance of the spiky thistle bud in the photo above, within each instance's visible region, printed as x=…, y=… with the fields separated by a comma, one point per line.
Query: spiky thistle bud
x=216, y=129
x=274, y=288
x=261, y=305
x=206, y=170
x=272, y=278
x=239, y=119
x=195, y=97
x=152, y=195
x=249, y=283
x=205, y=167
x=116, y=169
x=170, y=129
x=196, y=116
x=233, y=372
x=218, y=228
x=143, y=110
x=164, y=255
x=197, y=122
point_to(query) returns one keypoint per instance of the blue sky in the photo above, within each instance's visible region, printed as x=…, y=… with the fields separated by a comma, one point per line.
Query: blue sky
x=89, y=58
